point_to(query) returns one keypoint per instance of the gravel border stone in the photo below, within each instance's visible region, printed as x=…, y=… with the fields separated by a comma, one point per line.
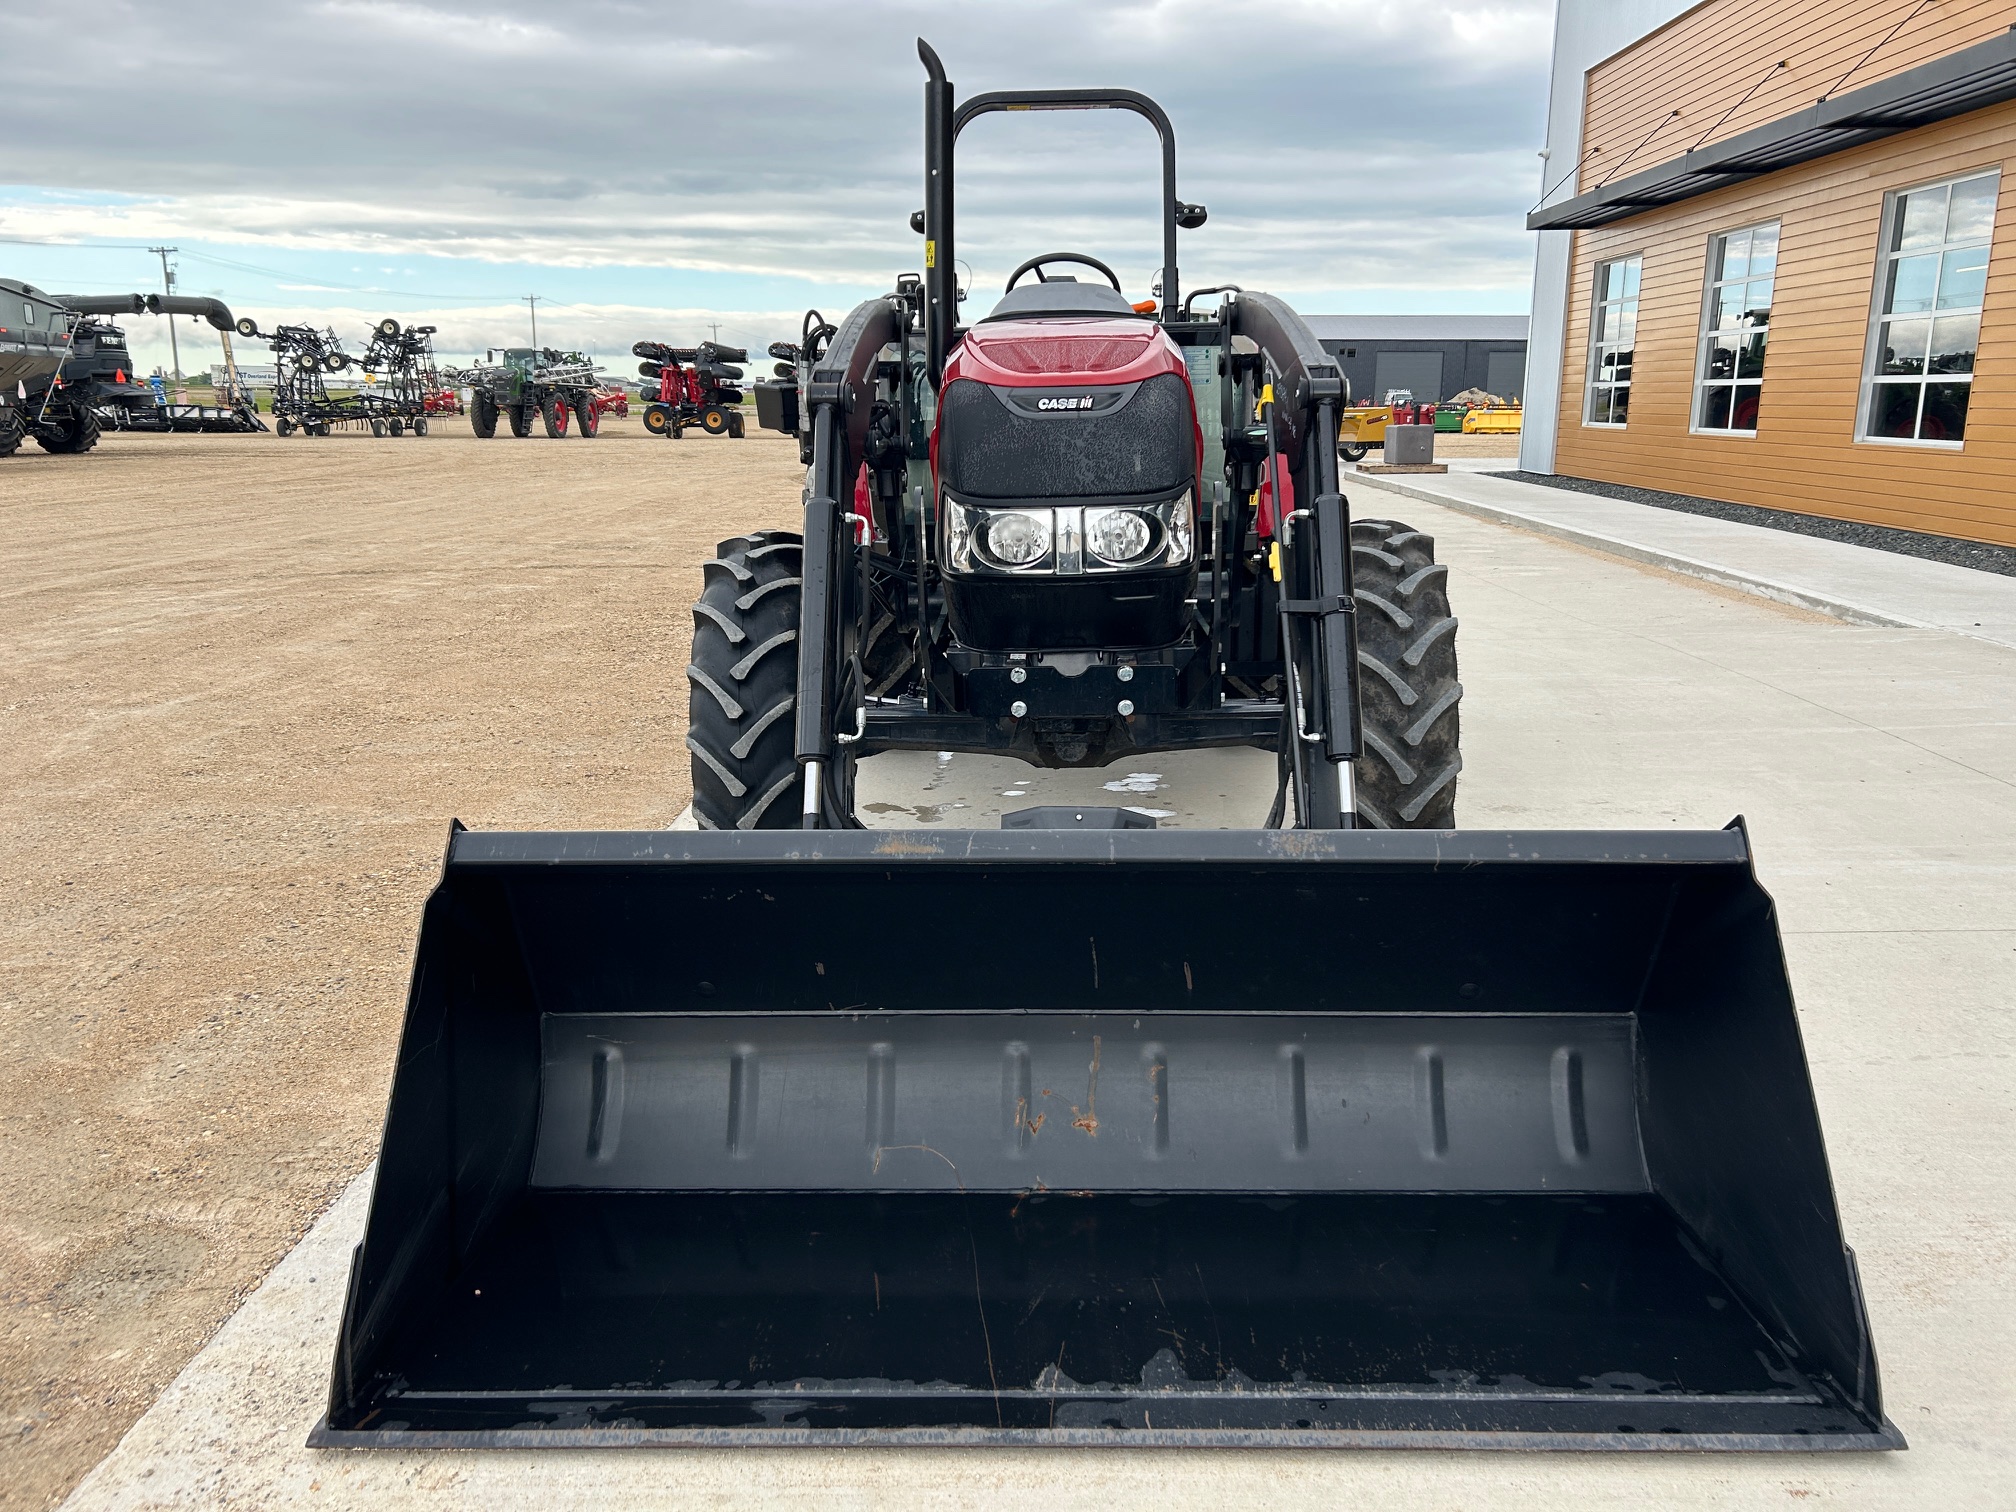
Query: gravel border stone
x=1916, y=543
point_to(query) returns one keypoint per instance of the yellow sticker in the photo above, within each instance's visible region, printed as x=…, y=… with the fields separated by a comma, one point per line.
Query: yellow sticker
x=1274, y=559
x=930, y=254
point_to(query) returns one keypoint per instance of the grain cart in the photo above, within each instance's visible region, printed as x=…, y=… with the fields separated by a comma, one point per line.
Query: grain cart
x=533, y=383
x=690, y=386
x=1371, y=1131
x=34, y=339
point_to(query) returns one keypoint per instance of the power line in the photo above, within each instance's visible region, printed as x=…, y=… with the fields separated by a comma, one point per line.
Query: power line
x=40, y=241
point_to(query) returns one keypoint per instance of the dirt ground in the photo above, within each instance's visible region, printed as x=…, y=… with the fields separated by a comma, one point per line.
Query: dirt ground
x=247, y=684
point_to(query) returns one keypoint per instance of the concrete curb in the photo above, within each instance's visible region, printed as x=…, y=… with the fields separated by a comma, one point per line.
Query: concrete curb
x=1652, y=556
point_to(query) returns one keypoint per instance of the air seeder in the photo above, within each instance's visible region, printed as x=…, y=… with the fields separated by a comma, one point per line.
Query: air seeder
x=690, y=386
x=1369, y=1131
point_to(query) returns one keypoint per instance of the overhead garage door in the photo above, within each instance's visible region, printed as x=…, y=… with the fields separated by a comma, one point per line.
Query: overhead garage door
x=1420, y=373
x=1505, y=374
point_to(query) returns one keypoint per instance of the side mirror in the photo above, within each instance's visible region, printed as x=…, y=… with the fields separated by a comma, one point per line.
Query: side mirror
x=917, y=221
x=1190, y=217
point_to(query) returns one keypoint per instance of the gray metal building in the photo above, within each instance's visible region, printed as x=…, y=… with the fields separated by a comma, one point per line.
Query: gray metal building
x=1431, y=356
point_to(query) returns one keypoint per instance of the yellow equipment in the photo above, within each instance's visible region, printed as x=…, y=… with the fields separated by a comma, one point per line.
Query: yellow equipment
x=1360, y=429
x=1493, y=422
x=1367, y=425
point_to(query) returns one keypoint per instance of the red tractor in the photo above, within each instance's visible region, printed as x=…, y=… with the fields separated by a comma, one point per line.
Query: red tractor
x=691, y=386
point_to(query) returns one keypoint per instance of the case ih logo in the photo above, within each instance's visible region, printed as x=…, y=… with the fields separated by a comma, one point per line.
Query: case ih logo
x=1070, y=402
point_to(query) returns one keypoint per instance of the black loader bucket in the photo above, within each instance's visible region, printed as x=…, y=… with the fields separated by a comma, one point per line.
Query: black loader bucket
x=1304, y=1138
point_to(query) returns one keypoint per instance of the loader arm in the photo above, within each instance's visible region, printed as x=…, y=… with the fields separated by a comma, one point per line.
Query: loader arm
x=840, y=397
x=1299, y=394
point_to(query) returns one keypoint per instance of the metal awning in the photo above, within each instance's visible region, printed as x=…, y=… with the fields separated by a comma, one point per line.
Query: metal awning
x=1974, y=77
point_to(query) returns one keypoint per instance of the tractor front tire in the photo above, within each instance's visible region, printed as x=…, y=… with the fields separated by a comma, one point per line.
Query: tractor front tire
x=68, y=433
x=555, y=414
x=483, y=415
x=742, y=685
x=586, y=419
x=13, y=431
x=1408, y=695
x=521, y=420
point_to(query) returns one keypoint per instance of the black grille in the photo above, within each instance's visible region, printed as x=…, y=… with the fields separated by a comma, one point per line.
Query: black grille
x=988, y=450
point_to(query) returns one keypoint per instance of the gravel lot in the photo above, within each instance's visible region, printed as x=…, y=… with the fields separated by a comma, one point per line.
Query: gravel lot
x=248, y=683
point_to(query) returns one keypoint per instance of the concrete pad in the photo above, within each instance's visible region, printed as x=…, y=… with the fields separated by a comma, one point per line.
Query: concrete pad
x=1873, y=766
x=1855, y=583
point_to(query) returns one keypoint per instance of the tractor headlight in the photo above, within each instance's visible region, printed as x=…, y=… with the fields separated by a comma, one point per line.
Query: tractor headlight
x=1068, y=540
x=1180, y=529
x=1016, y=539
x=1118, y=536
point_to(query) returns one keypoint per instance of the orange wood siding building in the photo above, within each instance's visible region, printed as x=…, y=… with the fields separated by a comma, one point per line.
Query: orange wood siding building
x=1837, y=222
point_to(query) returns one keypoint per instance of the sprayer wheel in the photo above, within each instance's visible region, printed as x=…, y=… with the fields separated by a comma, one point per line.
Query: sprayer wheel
x=12, y=432
x=483, y=415
x=586, y=420
x=1408, y=692
x=521, y=420
x=556, y=415
x=742, y=686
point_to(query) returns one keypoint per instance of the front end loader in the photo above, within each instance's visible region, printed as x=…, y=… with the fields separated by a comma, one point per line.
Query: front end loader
x=1352, y=1129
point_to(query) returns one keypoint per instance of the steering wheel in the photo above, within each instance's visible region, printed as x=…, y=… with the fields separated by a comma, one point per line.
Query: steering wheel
x=1037, y=264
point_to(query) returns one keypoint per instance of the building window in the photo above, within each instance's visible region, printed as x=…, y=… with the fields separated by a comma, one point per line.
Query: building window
x=1919, y=373
x=1613, y=332
x=1735, y=324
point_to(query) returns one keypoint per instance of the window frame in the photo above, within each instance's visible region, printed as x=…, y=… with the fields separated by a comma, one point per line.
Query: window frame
x=1870, y=381
x=1593, y=363
x=1717, y=246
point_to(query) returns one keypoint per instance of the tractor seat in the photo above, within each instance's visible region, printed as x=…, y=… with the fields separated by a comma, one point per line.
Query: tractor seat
x=1062, y=296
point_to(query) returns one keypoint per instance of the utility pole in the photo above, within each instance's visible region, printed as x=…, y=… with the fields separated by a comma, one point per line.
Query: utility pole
x=533, y=301
x=168, y=287
x=714, y=326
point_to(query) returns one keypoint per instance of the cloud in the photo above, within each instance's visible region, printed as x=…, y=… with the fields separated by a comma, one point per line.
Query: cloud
x=1341, y=144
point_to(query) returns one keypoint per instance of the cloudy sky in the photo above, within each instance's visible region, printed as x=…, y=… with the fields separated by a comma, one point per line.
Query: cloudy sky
x=649, y=169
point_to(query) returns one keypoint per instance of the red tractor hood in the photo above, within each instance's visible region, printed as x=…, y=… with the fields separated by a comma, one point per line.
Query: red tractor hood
x=1064, y=352
x=1057, y=352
